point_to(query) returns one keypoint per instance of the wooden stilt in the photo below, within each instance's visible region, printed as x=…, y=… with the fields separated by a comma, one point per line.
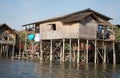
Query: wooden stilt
x=78, y=51
x=61, y=55
x=70, y=51
x=51, y=50
x=73, y=55
x=1, y=50
x=20, y=46
x=41, y=51
x=7, y=51
x=63, y=60
x=87, y=51
x=114, y=55
x=104, y=54
x=107, y=53
x=95, y=56
x=32, y=51
x=25, y=48
x=13, y=51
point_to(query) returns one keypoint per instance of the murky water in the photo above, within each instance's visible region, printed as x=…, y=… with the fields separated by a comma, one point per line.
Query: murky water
x=30, y=69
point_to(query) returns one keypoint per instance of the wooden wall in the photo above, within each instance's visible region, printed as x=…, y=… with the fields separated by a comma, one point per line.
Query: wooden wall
x=62, y=31
x=84, y=29
x=88, y=28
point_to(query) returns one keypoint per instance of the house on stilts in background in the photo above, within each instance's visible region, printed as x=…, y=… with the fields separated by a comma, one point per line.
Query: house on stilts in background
x=83, y=36
x=9, y=40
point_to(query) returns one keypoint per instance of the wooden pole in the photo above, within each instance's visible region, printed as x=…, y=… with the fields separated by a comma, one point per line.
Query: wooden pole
x=70, y=51
x=7, y=51
x=95, y=56
x=78, y=52
x=32, y=51
x=41, y=51
x=25, y=47
x=61, y=54
x=51, y=50
x=87, y=51
x=1, y=50
x=63, y=60
x=20, y=46
x=104, y=56
x=13, y=50
x=73, y=55
x=114, y=55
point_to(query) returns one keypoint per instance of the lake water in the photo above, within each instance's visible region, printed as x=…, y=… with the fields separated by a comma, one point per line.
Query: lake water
x=32, y=69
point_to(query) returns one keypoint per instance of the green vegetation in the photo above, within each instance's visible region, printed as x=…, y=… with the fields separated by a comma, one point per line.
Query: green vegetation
x=117, y=34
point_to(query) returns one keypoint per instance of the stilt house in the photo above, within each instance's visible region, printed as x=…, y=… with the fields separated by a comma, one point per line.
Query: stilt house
x=8, y=41
x=81, y=36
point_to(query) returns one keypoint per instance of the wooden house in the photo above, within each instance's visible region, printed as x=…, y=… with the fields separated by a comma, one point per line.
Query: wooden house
x=8, y=41
x=78, y=36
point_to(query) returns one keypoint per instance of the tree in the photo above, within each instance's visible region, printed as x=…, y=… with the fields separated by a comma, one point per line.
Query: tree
x=117, y=33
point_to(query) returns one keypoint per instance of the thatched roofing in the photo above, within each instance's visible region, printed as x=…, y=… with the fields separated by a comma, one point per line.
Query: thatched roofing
x=75, y=18
x=14, y=31
x=5, y=25
x=104, y=23
x=77, y=15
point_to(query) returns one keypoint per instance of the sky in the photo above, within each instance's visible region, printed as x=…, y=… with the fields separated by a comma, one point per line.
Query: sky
x=16, y=13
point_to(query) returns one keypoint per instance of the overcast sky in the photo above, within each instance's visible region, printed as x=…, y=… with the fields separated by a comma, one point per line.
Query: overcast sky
x=16, y=13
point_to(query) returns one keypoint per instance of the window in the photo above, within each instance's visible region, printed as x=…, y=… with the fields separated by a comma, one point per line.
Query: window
x=53, y=27
x=5, y=38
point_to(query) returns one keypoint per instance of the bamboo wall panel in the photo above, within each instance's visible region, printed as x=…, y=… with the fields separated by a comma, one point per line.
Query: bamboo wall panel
x=62, y=31
x=88, y=29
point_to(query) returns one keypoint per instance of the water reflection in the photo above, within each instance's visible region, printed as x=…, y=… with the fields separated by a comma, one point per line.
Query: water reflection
x=31, y=69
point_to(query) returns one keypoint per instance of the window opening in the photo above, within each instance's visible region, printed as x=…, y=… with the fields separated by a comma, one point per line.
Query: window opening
x=53, y=27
